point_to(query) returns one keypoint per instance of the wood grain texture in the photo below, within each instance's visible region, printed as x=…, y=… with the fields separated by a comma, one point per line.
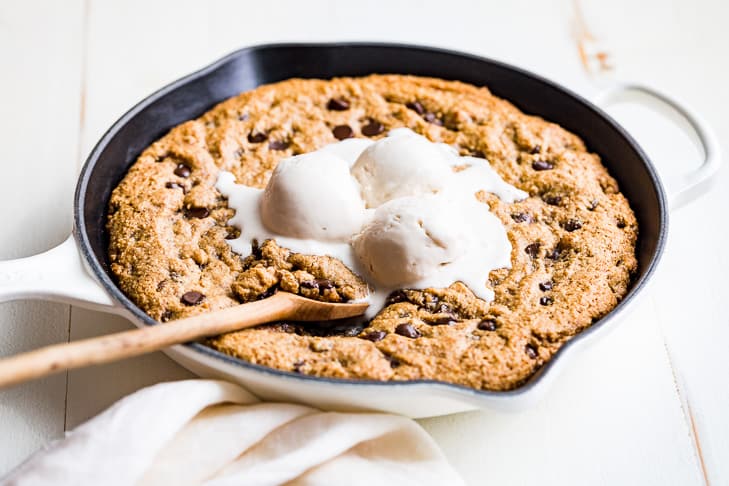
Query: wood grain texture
x=40, y=49
x=57, y=358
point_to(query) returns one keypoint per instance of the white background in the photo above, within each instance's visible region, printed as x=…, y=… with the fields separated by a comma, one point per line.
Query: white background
x=647, y=405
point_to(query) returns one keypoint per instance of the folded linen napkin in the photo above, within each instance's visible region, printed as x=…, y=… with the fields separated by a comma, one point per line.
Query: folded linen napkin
x=217, y=434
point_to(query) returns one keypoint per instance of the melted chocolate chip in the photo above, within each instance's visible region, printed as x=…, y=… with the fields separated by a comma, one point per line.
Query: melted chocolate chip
x=487, y=325
x=531, y=351
x=257, y=137
x=433, y=118
x=309, y=284
x=342, y=132
x=521, y=218
x=542, y=165
x=373, y=128
x=197, y=212
x=338, y=104
x=268, y=293
x=278, y=145
x=407, y=330
x=546, y=300
x=416, y=107
x=175, y=185
x=447, y=319
x=544, y=286
x=572, y=225
x=552, y=200
x=192, y=298
x=536, y=149
x=375, y=336
x=324, y=284
x=532, y=249
x=183, y=170
x=396, y=296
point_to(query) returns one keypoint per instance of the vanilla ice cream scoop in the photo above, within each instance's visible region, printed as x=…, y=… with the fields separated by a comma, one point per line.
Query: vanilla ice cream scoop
x=393, y=210
x=409, y=239
x=313, y=196
x=403, y=164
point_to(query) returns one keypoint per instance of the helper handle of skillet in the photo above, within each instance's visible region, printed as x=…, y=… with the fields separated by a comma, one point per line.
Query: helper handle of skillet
x=104, y=349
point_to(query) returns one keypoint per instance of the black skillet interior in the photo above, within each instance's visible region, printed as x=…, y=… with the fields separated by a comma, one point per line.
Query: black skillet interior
x=245, y=69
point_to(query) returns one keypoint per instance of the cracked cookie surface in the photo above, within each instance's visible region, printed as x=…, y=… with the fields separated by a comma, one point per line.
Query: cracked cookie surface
x=573, y=239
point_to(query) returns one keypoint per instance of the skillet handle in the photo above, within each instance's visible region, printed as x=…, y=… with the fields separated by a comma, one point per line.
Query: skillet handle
x=57, y=275
x=694, y=183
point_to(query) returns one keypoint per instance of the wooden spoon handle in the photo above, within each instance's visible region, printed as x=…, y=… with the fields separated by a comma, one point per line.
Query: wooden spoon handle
x=112, y=347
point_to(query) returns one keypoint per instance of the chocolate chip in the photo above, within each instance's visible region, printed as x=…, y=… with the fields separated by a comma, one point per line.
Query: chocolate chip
x=407, y=330
x=621, y=223
x=531, y=351
x=532, y=249
x=375, y=336
x=542, y=165
x=257, y=137
x=521, y=218
x=175, y=185
x=433, y=118
x=197, y=212
x=268, y=293
x=536, y=149
x=309, y=284
x=342, y=132
x=166, y=315
x=593, y=204
x=478, y=154
x=552, y=200
x=487, y=325
x=396, y=296
x=544, y=286
x=183, y=170
x=432, y=303
x=394, y=362
x=192, y=298
x=447, y=319
x=324, y=284
x=556, y=252
x=373, y=128
x=232, y=234
x=546, y=300
x=297, y=366
x=243, y=117
x=338, y=104
x=572, y=225
x=278, y=145
x=416, y=107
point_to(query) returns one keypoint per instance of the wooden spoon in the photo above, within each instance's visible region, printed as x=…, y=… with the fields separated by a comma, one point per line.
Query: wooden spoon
x=104, y=349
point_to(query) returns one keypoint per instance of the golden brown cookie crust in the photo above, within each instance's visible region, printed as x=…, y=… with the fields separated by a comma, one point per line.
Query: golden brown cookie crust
x=573, y=239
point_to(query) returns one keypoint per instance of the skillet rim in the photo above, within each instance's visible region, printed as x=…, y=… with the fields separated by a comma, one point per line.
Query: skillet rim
x=529, y=386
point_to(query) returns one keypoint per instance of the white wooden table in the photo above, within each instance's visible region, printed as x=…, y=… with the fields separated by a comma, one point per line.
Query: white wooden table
x=648, y=405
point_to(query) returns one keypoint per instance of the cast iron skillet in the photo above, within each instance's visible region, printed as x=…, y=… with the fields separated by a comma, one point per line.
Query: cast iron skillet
x=247, y=68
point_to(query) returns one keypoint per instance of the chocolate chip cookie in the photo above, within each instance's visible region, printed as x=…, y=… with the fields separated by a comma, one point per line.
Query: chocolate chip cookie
x=573, y=239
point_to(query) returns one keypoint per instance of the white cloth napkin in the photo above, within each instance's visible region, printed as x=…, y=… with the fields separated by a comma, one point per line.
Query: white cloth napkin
x=216, y=433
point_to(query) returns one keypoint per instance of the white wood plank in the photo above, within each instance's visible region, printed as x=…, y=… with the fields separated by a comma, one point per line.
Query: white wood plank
x=40, y=49
x=684, y=52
